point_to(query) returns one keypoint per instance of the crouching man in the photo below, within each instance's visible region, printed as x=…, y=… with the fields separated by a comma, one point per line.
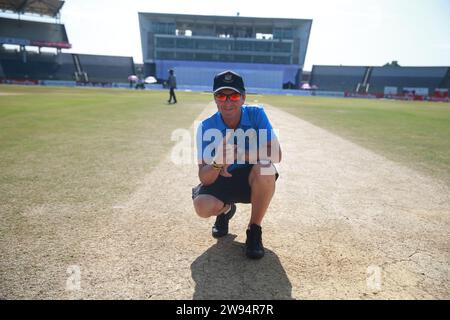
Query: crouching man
x=237, y=148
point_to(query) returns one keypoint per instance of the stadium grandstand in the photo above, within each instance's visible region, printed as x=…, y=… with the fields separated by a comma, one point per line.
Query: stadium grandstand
x=337, y=78
x=19, y=63
x=106, y=68
x=429, y=78
x=31, y=33
x=389, y=79
x=268, y=52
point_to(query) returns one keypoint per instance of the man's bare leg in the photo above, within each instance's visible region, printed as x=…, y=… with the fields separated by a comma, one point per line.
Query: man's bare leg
x=208, y=206
x=262, y=183
x=263, y=188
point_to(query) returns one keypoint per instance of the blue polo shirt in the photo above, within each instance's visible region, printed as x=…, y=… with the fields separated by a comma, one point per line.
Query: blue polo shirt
x=253, y=119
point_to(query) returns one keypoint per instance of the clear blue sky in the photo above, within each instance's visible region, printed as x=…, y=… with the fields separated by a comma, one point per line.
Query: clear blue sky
x=348, y=32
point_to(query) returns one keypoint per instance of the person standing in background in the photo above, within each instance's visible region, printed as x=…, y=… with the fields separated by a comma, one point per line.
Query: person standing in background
x=172, y=83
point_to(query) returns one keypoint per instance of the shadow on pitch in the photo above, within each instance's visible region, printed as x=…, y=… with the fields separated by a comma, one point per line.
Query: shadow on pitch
x=223, y=272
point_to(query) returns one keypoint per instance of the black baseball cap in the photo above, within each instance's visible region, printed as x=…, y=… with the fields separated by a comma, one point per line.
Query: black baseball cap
x=229, y=80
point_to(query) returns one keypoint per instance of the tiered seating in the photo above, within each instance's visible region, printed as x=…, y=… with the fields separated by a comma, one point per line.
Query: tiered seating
x=43, y=66
x=337, y=78
x=401, y=77
x=46, y=66
x=65, y=67
x=106, y=68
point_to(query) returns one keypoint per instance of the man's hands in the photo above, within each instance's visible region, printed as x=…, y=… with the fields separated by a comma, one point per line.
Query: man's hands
x=226, y=153
x=224, y=171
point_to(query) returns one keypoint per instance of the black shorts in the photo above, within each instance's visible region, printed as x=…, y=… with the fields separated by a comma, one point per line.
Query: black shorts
x=235, y=189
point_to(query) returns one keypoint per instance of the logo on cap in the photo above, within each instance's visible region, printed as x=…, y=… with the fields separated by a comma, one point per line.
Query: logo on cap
x=228, y=78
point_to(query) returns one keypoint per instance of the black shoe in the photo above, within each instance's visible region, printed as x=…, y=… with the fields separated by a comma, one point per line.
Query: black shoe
x=220, y=227
x=253, y=246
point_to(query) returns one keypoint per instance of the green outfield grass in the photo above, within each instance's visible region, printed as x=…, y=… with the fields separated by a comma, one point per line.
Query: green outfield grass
x=414, y=133
x=83, y=146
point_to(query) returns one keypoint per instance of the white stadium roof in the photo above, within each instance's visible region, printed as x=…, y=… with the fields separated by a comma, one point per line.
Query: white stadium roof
x=43, y=7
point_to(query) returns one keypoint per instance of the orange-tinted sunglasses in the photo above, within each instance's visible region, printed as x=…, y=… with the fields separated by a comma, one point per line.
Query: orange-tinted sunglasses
x=223, y=97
